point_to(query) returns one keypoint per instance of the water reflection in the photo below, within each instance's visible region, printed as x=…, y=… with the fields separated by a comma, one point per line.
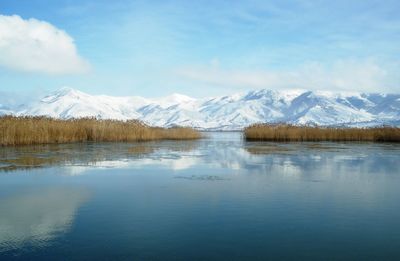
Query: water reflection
x=220, y=150
x=85, y=154
x=196, y=199
x=35, y=217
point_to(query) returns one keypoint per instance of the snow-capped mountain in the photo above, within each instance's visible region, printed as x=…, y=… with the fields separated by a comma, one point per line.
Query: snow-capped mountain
x=227, y=112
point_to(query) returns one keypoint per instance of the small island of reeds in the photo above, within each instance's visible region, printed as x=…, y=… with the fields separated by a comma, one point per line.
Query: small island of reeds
x=288, y=133
x=44, y=130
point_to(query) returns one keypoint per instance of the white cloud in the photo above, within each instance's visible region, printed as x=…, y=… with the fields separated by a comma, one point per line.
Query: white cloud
x=341, y=75
x=37, y=46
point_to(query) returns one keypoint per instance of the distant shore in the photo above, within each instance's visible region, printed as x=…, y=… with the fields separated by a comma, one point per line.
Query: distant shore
x=16, y=131
x=288, y=133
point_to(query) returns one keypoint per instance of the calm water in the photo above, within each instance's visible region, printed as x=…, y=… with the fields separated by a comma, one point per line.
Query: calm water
x=217, y=198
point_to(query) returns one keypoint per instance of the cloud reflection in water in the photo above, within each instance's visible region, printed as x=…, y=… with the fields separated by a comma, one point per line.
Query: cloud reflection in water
x=36, y=217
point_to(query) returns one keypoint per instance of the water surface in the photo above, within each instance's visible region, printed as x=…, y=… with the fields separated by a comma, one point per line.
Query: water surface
x=216, y=198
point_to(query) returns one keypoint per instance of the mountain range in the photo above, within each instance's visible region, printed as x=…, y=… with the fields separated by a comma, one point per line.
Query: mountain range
x=232, y=112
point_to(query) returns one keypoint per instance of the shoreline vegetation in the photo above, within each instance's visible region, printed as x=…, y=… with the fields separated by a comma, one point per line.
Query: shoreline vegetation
x=30, y=130
x=16, y=131
x=292, y=133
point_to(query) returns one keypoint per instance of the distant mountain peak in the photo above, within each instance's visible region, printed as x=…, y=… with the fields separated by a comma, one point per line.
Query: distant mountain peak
x=65, y=91
x=62, y=93
x=229, y=112
x=173, y=99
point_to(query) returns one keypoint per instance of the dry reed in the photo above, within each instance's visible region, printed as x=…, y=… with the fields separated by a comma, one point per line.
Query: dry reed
x=44, y=130
x=287, y=132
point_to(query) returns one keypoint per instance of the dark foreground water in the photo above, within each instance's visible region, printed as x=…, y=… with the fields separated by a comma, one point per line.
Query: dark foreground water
x=217, y=198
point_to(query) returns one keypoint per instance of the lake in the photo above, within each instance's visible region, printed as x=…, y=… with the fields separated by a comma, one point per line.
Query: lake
x=219, y=198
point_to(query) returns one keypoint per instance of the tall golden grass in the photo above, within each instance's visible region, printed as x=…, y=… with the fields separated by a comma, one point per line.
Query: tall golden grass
x=44, y=130
x=287, y=132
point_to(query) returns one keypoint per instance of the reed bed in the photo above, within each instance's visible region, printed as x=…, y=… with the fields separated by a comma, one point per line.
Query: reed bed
x=287, y=133
x=43, y=130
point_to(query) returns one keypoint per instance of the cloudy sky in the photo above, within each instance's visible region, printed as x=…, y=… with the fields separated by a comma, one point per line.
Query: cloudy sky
x=199, y=48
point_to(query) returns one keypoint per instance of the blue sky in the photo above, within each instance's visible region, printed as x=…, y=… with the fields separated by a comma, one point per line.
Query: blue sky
x=199, y=48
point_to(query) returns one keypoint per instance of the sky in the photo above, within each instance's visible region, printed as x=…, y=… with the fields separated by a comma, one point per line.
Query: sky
x=198, y=48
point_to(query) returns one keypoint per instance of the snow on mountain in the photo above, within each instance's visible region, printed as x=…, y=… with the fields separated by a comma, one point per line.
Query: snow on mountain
x=5, y=111
x=173, y=99
x=227, y=112
x=68, y=103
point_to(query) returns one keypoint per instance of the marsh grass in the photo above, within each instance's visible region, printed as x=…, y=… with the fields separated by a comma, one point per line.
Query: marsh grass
x=286, y=133
x=43, y=130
